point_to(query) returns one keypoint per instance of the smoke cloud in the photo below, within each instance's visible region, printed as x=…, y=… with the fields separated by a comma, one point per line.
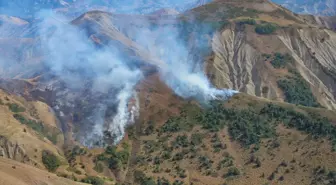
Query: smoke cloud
x=110, y=77
x=73, y=58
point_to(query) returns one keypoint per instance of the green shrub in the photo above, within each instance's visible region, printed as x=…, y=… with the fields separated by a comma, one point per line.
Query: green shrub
x=142, y=179
x=93, y=180
x=50, y=161
x=98, y=167
x=266, y=28
x=247, y=21
x=205, y=162
x=226, y=162
x=171, y=125
x=181, y=141
x=196, y=139
x=297, y=91
x=115, y=159
x=281, y=61
x=15, y=107
x=233, y=171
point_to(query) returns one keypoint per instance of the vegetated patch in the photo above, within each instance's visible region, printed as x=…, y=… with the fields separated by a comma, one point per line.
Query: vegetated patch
x=249, y=126
x=15, y=108
x=141, y=178
x=50, y=161
x=50, y=133
x=323, y=176
x=116, y=160
x=266, y=28
x=295, y=88
x=232, y=172
x=75, y=151
x=93, y=180
x=246, y=21
x=98, y=167
x=297, y=91
x=281, y=61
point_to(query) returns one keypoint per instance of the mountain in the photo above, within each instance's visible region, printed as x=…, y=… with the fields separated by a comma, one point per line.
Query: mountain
x=72, y=8
x=320, y=7
x=68, y=85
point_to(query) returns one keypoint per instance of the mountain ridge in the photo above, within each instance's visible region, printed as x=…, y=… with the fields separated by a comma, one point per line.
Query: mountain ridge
x=279, y=128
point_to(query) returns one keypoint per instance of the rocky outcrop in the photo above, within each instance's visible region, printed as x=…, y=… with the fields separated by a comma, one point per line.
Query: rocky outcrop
x=237, y=61
x=12, y=150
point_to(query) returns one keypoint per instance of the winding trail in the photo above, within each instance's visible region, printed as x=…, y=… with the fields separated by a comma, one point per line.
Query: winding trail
x=135, y=149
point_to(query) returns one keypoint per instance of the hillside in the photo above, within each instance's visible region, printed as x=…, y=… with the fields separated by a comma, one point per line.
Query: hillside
x=15, y=173
x=238, y=60
x=279, y=129
x=321, y=7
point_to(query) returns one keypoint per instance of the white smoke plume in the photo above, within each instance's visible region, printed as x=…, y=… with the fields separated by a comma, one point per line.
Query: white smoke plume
x=184, y=75
x=125, y=116
x=72, y=57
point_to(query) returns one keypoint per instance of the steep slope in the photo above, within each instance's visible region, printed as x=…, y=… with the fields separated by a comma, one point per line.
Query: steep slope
x=186, y=150
x=14, y=173
x=25, y=134
x=242, y=50
x=265, y=51
x=237, y=61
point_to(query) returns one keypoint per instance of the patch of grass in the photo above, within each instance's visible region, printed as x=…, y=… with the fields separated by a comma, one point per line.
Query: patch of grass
x=50, y=161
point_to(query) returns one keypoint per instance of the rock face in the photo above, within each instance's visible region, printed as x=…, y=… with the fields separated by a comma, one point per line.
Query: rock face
x=237, y=62
x=12, y=151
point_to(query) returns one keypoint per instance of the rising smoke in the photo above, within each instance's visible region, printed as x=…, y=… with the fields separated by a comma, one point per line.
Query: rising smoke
x=73, y=58
x=81, y=65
